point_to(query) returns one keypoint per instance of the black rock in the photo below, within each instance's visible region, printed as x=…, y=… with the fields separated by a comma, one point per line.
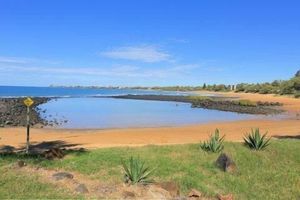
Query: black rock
x=225, y=163
x=62, y=175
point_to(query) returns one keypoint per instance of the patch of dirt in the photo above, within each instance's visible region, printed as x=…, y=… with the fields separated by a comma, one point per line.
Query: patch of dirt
x=80, y=184
x=77, y=183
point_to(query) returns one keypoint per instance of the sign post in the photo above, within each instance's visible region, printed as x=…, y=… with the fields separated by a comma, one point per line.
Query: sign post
x=28, y=102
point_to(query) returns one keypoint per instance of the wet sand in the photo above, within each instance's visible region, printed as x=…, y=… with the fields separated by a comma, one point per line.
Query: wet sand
x=234, y=131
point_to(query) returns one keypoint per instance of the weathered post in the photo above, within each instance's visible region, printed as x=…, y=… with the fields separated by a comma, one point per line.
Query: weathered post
x=28, y=102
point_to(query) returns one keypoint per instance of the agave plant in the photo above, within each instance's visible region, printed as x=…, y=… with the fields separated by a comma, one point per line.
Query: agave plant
x=256, y=141
x=136, y=171
x=214, y=144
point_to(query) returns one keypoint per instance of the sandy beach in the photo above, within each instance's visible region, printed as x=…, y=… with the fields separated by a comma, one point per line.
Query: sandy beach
x=234, y=131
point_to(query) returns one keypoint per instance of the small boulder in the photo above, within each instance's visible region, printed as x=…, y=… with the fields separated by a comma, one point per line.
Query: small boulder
x=194, y=194
x=81, y=188
x=172, y=187
x=225, y=197
x=225, y=163
x=62, y=175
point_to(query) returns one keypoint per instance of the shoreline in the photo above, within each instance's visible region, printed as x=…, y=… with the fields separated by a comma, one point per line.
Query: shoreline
x=92, y=139
x=100, y=138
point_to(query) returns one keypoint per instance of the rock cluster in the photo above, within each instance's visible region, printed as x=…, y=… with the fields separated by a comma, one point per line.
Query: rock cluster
x=13, y=112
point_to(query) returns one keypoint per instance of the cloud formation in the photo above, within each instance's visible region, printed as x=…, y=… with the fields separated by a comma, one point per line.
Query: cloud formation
x=14, y=60
x=115, y=71
x=138, y=53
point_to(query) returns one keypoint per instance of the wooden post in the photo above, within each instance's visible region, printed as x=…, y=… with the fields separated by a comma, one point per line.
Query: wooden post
x=28, y=129
x=28, y=102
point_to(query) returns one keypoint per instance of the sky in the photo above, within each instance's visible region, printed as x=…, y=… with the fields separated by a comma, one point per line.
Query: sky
x=147, y=42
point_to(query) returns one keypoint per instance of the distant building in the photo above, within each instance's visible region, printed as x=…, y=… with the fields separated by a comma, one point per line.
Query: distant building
x=232, y=87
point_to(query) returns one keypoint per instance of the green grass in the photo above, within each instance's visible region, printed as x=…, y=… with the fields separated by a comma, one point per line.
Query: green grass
x=16, y=185
x=245, y=102
x=271, y=174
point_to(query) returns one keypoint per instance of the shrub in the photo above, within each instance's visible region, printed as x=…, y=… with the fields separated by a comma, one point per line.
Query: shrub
x=297, y=95
x=214, y=144
x=256, y=141
x=245, y=102
x=196, y=99
x=136, y=171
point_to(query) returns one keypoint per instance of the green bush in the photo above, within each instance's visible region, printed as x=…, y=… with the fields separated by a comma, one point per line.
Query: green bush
x=256, y=141
x=214, y=144
x=297, y=95
x=136, y=171
x=245, y=102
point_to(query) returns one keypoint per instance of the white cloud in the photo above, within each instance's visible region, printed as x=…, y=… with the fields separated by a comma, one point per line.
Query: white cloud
x=23, y=60
x=115, y=71
x=14, y=60
x=138, y=53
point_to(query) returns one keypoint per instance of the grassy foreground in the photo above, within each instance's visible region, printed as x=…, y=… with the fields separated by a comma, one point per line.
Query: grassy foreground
x=270, y=174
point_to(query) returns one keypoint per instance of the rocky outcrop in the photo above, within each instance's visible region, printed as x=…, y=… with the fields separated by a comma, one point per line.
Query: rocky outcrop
x=13, y=112
x=214, y=103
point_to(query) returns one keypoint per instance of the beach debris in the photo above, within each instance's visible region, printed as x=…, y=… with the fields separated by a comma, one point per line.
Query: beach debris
x=170, y=186
x=81, y=188
x=54, y=153
x=62, y=175
x=225, y=197
x=194, y=194
x=225, y=163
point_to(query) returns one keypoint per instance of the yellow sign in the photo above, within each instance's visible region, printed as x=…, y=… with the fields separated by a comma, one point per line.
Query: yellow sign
x=28, y=102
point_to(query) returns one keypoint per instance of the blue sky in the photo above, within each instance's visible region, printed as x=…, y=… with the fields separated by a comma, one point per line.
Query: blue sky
x=153, y=42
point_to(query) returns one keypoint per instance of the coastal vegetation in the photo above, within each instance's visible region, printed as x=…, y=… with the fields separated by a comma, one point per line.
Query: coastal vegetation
x=214, y=144
x=259, y=171
x=136, y=171
x=256, y=141
x=281, y=87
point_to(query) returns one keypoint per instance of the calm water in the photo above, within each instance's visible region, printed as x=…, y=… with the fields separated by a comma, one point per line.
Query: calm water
x=81, y=110
x=121, y=113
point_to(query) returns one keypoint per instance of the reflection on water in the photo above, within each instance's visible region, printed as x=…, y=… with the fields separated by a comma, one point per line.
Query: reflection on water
x=122, y=113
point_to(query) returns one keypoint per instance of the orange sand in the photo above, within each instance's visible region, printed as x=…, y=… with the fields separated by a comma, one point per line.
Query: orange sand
x=160, y=136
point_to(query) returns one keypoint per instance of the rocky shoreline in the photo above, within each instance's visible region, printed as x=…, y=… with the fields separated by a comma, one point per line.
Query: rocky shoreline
x=13, y=112
x=215, y=103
